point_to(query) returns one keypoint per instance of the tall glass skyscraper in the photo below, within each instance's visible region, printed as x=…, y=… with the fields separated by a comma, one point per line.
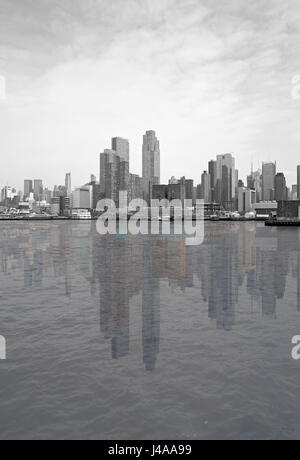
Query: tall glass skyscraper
x=28, y=187
x=114, y=169
x=281, y=190
x=268, y=181
x=151, y=163
x=298, y=182
x=68, y=184
x=226, y=177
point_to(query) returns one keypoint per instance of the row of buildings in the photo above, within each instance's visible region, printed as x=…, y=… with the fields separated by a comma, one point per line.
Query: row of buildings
x=115, y=173
x=220, y=186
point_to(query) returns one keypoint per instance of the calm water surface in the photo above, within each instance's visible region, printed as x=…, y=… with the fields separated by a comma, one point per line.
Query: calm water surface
x=147, y=338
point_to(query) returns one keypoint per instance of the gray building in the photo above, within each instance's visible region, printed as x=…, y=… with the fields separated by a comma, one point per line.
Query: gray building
x=212, y=171
x=268, y=181
x=289, y=209
x=206, y=187
x=151, y=163
x=28, y=187
x=121, y=147
x=298, y=181
x=68, y=184
x=114, y=170
x=226, y=180
x=189, y=189
x=135, y=187
x=281, y=191
x=109, y=175
x=38, y=189
x=169, y=192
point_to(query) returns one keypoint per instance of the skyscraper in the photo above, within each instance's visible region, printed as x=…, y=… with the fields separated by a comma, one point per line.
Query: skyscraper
x=135, y=187
x=38, y=189
x=28, y=188
x=206, y=187
x=68, y=184
x=298, y=181
x=254, y=181
x=121, y=147
x=227, y=176
x=114, y=170
x=268, y=181
x=212, y=171
x=109, y=172
x=151, y=163
x=246, y=199
x=281, y=191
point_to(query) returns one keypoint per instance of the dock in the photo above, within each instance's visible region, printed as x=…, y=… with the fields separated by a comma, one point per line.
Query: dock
x=283, y=223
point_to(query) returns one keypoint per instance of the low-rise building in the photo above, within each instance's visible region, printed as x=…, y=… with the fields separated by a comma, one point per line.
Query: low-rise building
x=169, y=192
x=288, y=209
x=266, y=208
x=81, y=198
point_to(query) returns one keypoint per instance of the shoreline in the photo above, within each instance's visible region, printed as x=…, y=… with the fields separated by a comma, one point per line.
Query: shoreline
x=68, y=219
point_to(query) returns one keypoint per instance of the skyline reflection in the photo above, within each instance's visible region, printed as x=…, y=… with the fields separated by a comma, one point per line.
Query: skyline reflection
x=234, y=258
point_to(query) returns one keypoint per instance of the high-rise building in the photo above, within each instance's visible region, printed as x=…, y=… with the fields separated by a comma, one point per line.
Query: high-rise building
x=268, y=181
x=189, y=189
x=254, y=182
x=28, y=188
x=246, y=200
x=258, y=184
x=38, y=189
x=114, y=170
x=226, y=174
x=294, y=192
x=281, y=191
x=59, y=190
x=298, y=181
x=206, y=187
x=212, y=171
x=109, y=175
x=121, y=147
x=135, y=187
x=151, y=163
x=188, y=185
x=250, y=182
x=68, y=184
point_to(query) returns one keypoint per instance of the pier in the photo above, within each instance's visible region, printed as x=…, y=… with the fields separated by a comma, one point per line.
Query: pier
x=283, y=223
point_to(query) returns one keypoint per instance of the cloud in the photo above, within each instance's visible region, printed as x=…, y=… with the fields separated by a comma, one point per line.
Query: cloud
x=209, y=76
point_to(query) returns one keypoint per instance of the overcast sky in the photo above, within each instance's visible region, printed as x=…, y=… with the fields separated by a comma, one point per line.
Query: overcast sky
x=209, y=76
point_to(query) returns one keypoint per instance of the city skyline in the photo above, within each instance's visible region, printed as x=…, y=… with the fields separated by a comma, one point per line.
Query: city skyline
x=221, y=188
x=210, y=77
x=122, y=148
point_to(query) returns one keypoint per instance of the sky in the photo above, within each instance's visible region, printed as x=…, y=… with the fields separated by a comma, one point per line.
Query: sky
x=209, y=76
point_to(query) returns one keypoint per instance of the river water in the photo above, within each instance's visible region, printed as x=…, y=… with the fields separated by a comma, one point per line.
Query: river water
x=113, y=337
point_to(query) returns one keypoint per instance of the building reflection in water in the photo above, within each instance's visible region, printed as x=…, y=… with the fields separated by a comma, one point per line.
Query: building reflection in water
x=234, y=259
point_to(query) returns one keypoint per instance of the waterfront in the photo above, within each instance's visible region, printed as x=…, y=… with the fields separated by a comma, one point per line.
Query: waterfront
x=147, y=338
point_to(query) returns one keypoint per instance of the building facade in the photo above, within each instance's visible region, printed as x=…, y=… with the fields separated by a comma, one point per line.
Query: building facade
x=281, y=190
x=226, y=178
x=68, y=184
x=268, y=181
x=151, y=163
x=81, y=198
x=114, y=170
x=246, y=200
x=28, y=188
